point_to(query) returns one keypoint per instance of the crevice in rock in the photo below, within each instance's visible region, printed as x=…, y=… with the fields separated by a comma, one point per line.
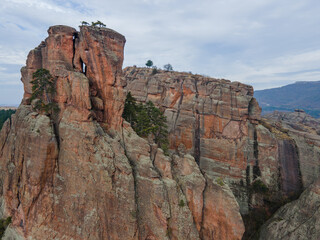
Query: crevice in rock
x=256, y=170
x=135, y=181
x=55, y=128
x=179, y=105
x=75, y=36
x=204, y=202
x=153, y=154
x=83, y=67
x=19, y=181
x=197, y=136
x=197, y=141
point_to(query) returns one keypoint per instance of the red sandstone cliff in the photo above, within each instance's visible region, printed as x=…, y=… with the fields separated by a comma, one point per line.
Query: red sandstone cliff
x=218, y=122
x=85, y=174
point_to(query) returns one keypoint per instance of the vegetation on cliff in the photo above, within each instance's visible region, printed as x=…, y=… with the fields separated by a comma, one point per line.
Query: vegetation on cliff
x=4, y=115
x=43, y=91
x=4, y=223
x=146, y=120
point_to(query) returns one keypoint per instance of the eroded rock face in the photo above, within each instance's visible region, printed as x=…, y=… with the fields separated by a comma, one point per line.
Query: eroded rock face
x=210, y=117
x=85, y=174
x=305, y=130
x=299, y=219
x=218, y=123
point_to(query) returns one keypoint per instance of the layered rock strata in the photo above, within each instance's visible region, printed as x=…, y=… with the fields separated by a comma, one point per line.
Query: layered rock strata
x=84, y=173
x=218, y=122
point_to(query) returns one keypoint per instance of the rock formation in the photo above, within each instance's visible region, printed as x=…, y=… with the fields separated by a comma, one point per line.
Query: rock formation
x=219, y=123
x=83, y=173
x=299, y=219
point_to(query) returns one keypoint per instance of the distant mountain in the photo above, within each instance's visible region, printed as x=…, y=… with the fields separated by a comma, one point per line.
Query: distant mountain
x=301, y=95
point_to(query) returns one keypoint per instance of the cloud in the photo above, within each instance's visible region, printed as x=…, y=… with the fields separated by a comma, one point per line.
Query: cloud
x=264, y=43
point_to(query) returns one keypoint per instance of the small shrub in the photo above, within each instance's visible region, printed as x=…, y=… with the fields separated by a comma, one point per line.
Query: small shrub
x=168, y=67
x=181, y=203
x=220, y=181
x=154, y=71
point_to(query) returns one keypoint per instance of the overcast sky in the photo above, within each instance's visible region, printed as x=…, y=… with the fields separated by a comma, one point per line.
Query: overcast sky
x=264, y=43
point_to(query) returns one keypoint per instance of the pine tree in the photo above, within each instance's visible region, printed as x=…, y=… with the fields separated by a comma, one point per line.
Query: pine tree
x=147, y=120
x=43, y=89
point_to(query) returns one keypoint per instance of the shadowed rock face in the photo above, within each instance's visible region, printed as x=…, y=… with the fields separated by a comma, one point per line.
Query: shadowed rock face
x=289, y=167
x=299, y=219
x=85, y=174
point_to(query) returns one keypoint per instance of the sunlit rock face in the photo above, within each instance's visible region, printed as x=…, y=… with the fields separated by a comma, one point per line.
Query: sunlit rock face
x=83, y=173
x=218, y=122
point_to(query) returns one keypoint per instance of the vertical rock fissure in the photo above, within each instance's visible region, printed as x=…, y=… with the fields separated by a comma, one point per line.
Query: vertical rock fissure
x=197, y=128
x=19, y=181
x=75, y=36
x=153, y=154
x=55, y=128
x=134, y=175
x=197, y=138
x=256, y=170
x=204, y=203
x=179, y=105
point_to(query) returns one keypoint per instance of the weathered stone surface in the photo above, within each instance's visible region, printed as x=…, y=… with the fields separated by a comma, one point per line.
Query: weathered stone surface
x=85, y=174
x=299, y=219
x=305, y=130
x=216, y=121
x=210, y=117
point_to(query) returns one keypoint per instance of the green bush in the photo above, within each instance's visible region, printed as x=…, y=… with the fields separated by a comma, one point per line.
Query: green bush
x=146, y=120
x=154, y=70
x=220, y=181
x=181, y=203
x=4, y=223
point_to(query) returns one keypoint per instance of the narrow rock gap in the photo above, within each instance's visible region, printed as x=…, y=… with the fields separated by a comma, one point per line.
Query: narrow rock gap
x=179, y=105
x=83, y=67
x=55, y=128
x=74, y=37
x=203, y=204
x=256, y=170
x=134, y=175
x=197, y=141
x=153, y=154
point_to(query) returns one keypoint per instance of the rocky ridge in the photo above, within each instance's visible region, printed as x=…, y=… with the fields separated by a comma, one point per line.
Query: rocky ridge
x=219, y=123
x=84, y=173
